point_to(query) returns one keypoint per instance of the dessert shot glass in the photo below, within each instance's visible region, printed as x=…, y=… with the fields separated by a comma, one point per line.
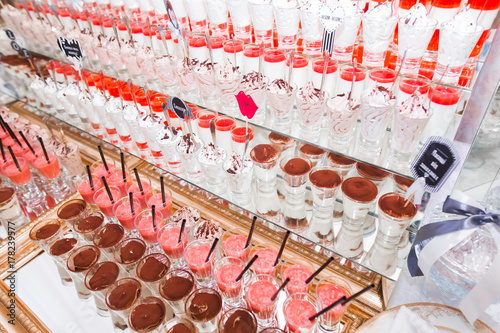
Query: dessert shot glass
x=263, y=21
x=204, y=307
x=155, y=198
x=87, y=227
x=150, y=270
x=286, y=15
x=298, y=270
x=225, y=272
x=344, y=83
x=329, y=290
x=199, y=262
x=140, y=192
x=107, y=239
x=168, y=238
x=148, y=226
x=126, y=211
x=342, y=114
x=154, y=321
x=297, y=309
x=98, y=278
x=120, y=298
x=264, y=265
x=129, y=252
x=239, y=172
x=78, y=263
x=408, y=85
x=87, y=192
x=310, y=109
x=72, y=211
x=60, y=250
x=258, y=293
x=238, y=319
x=45, y=233
x=223, y=127
x=238, y=135
x=105, y=201
x=281, y=99
x=175, y=287
x=233, y=244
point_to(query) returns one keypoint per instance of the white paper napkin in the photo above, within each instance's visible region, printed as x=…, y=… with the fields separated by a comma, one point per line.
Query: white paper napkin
x=409, y=322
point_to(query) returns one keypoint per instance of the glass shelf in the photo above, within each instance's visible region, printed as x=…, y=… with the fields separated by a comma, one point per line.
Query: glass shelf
x=225, y=199
x=382, y=162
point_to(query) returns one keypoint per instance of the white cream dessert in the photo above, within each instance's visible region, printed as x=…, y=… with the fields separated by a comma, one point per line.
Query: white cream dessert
x=205, y=76
x=239, y=177
x=262, y=14
x=378, y=28
x=410, y=119
x=287, y=18
x=415, y=32
x=70, y=158
x=211, y=160
x=189, y=144
x=208, y=230
x=310, y=104
x=145, y=55
x=312, y=29
x=346, y=33
x=151, y=125
x=228, y=81
x=254, y=84
x=130, y=115
x=166, y=70
x=281, y=98
x=457, y=39
x=342, y=114
x=376, y=107
x=216, y=11
x=168, y=140
x=184, y=70
x=129, y=57
x=10, y=209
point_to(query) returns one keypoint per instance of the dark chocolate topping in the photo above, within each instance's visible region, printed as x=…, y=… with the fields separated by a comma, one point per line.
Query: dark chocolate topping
x=71, y=210
x=145, y=317
x=152, y=270
x=340, y=160
x=123, y=296
x=296, y=167
x=90, y=223
x=311, y=150
x=5, y=194
x=106, y=275
x=62, y=246
x=84, y=259
x=371, y=172
x=359, y=189
x=394, y=205
x=282, y=85
x=179, y=328
x=264, y=153
x=205, y=306
x=109, y=235
x=325, y=178
x=176, y=288
x=132, y=251
x=47, y=231
x=278, y=138
x=240, y=322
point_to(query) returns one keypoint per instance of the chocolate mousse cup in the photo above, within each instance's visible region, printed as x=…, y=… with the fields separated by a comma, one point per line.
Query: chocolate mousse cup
x=78, y=263
x=238, y=320
x=129, y=252
x=343, y=166
x=120, y=298
x=395, y=215
x=358, y=195
x=378, y=177
x=265, y=159
x=295, y=172
x=204, y=307
x=72, y=211
x=147, y=315
x=60, y=250
x=89, y=226
x=45, y=233
x=11, y=213
x=180, y=325
x=107, y=239
x=175, y=288
x=150, y=270
x=324, y=185
x=98, y=278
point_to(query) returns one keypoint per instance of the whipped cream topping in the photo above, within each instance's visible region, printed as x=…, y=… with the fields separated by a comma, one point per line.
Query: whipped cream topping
x=190, y=214
x=228, y=72
x=417, y=15
x=130, y=112
x=149, y=120
x=165, y=135
x=462, y=22
x=309, y=94
x=185, y=65
x=235, y=164
x=189, y=143
x=414, y=106
x=260, y=2
x=99, y=99
x=349, y=7
x=342, y=103
x=279, y=87
x=72, y=89
x=205, y=67
x=378, y=97
x=380, y=12
x=252, y=80
x=211, y=155
x=208, y=230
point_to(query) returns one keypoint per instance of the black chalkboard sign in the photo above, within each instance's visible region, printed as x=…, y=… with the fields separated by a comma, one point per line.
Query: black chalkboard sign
x=71, y=48
x=435, y=162
x=180, y=108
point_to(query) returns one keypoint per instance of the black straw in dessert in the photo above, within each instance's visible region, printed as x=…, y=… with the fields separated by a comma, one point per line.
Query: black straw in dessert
x=250, y=233
x=162, y=186
x=153, y=212
x=328, y=308
x=27, y=143
x=108, y=190
x=138, y=180
x=247, y=267
x=3, y=151
x=89, y=174
x=183, y=225
x=103, y=159
x=309, y=279
x=356, y=295
x=14, y=158
x=131, y=199
x=44, y=150
x=214, y=244
x=122, y=161
x=278, y=258
x=283, y=285
x=11, y=132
